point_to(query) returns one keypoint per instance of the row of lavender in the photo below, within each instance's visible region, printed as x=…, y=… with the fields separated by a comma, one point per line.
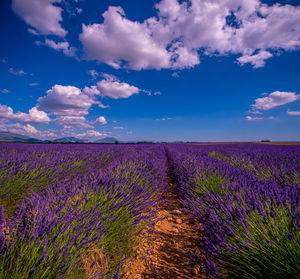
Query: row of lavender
x=246, y=198
x=72, y=211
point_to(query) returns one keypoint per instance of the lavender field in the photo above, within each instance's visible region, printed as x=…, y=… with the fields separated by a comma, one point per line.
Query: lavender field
x=77, y=210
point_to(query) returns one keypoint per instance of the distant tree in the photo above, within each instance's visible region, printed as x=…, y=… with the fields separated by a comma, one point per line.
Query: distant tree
x=265, y=141
x=116, y=142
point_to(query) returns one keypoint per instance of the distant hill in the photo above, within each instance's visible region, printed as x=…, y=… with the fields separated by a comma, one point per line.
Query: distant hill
x=70, y=139
x=107, y=140
x=11, y=137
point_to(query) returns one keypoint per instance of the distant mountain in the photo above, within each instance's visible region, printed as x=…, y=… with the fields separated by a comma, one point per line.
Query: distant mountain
x=11, y=137
x=70, y=139
x=107, y=140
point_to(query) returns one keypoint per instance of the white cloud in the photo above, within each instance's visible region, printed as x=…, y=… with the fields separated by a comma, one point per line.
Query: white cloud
x=30, y=129
x=91, y=133
x=110, y=77
x=295, y=113
x=34, y=115
x=27, y=130
x=270, y=27
x=113, y=88
x=254, y=112
x=251, y=118
x=164, y=118
x=42, y=15
x=184, y=57
x=33, y=84
x=184, y=30
x=116, y=89
x=66, y=100
x=64, y=46
x=91, y=91
x=94, y=74
x=257, y=60
x=17, y=73
x=32, y=31
x=37, y=116
x=70, y=104
x=118, y=39
x=119, y=128
x=72, y=122
x=275, y=99
x=101, y=120
x=5, y=91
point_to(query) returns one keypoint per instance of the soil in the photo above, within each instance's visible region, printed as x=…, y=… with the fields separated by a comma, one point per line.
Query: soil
x=171, y=249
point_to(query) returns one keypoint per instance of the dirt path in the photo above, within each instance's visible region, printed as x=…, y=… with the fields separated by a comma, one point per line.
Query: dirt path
x=171, y=250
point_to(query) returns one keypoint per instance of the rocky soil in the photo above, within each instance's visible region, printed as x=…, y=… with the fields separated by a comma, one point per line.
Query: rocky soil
x=171, y=249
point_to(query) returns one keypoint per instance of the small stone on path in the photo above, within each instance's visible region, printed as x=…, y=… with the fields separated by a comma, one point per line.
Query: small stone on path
x=176, y=211
x=178, y=221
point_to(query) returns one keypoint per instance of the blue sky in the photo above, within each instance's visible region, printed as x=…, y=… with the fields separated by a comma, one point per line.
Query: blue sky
x=166, y=70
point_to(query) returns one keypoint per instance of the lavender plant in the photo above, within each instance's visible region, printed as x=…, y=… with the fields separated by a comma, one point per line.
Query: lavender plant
x=246, y=198
x=93, y=198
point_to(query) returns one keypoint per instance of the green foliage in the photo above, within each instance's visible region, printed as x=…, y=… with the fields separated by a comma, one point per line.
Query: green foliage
x=267, y=249
x=119, y=239
x=216, y=155
x=208, y=182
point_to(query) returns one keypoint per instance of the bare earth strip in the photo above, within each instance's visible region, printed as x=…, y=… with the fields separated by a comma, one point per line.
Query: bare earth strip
x=171, y=250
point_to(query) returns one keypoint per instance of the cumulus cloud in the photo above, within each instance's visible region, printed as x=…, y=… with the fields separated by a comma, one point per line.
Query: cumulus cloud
x=119, y=39
x=101, y=120
x=27, y=130
x=116, y=89
x=43, y=15
x=4, y=90
x=251, y=118
x=34, y=115
x=257, y=60
x=66, y=100
x=182, y=31
x=275, y=99
x=30, y=129
x=113, y=88
x=70, y=104
x=295, y=113
x=91, y=133
x=64, y=46
x=91, y=91
x=17, y=73
x=72, y=122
